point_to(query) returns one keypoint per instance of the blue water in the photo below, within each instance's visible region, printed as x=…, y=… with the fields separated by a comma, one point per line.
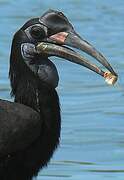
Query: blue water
x=92, y=137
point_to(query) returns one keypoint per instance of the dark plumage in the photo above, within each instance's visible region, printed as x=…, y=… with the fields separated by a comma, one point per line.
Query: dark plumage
x=30, y=134
x=14, y=133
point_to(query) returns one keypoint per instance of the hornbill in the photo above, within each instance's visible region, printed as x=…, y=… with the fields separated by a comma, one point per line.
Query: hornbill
x=30, y=126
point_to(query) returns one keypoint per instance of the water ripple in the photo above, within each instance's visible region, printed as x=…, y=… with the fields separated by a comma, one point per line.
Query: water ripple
x=92, y=137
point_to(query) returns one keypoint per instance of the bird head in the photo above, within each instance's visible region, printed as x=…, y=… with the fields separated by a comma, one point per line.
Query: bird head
x=50, y=35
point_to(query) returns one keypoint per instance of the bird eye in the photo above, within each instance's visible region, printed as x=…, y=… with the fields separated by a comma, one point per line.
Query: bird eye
x=60, y=13
x=37, y=32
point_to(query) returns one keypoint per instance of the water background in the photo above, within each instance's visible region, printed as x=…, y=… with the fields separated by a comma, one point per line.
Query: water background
x=92, y=137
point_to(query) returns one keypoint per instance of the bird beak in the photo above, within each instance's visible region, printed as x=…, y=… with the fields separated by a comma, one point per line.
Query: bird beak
x=54, y=47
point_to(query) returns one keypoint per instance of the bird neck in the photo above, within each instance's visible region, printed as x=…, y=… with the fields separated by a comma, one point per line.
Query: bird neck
x=36, y=94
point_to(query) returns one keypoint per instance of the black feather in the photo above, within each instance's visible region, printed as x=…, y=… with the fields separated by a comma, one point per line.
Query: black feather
x=29, y=90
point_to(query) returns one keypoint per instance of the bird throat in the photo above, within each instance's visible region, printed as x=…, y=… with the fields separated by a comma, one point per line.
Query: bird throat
x=37, y=94
x=32, y=92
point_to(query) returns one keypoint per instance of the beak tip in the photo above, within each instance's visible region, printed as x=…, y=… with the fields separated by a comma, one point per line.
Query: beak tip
x=110, y=78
